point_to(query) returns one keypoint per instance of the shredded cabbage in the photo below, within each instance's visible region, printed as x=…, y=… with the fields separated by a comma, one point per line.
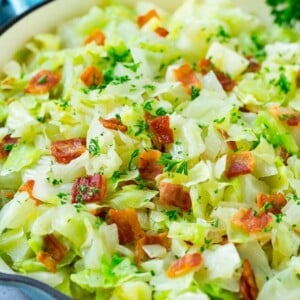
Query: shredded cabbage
x=214, y=80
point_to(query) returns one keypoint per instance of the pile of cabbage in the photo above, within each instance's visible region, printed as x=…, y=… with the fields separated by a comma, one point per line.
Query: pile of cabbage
x=96, y=266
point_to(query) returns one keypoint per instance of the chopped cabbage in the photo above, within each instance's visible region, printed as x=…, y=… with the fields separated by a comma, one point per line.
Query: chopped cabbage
x=165, y=155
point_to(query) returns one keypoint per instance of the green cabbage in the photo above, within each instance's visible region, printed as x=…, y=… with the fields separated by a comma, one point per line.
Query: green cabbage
x=225, y=111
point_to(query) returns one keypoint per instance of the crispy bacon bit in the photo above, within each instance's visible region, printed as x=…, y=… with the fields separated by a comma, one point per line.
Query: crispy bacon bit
x=271, y=203
x=160, y=127
x=254, y=66
x=239, y=164
x=161, y=239
x=54, y=247
x=100, y=212
x=6, y=145
x=96, y=36
x=91, y=76
x=205, y=65
x=163, y=32
x=47, y=260
x=66, y=150
x=248, y=285
x=114, y=124
x=249, y=221
x=286, y=115
x=231, y=144
x=185, y=264
x=54, y=252
x=187, y=76
x=42, y=82
x=129, y=228
x=227, y=83
x=174, y=195
x=149, y=168
x=28, y=188
x=91, y=188
x=143, y=19
x=284, y=155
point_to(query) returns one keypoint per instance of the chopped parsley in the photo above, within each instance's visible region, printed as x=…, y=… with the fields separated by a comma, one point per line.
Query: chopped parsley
x=222, y=34
x=195, y=92
x=148, y=106
x=160, y=111
x=63, y=197
x=133, y=155
x=149, y=87
x=119, y=80
x=117, y=175
x=285, y=12
x=42, y=79
x=172, y=215
x=63, y=104
x=283, y=84
x=8, y=147
x=141, y=126
x=172, y=165
x=132, y=66
x=94, y=148
x=54, y=181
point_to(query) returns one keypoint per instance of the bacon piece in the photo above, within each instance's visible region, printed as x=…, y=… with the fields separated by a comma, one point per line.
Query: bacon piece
x=54, y=252
x=254, y=66
x=174, y=195
x=286, y=115
x=239, y=164
x=231, y=144
x=160, y=127
x=91, y=76
x=100, y=212
x=185, y=264
x=163, y=32
x=42, y=82
x=28, y=188
x=227, y=83
x=6, y=145
x=186, y=75
x=154, y=139
x=129, y=228
x=149, y=168
x=205, y=65
x=249, y=221
x=161, y=239
x=96, y=36
x=284, y=155
x=114, y=124
x=143, y=19
x=248, y=285
x=90, y=188
x=66, y=150
x=54, y=247
x=46, y=259
x=271, y=203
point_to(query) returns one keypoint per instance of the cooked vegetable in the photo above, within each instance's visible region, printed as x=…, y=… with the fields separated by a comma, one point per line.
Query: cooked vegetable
x=148, y=155
x=285, y=12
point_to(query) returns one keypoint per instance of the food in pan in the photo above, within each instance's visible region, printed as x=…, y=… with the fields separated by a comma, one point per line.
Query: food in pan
x=154, y=155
